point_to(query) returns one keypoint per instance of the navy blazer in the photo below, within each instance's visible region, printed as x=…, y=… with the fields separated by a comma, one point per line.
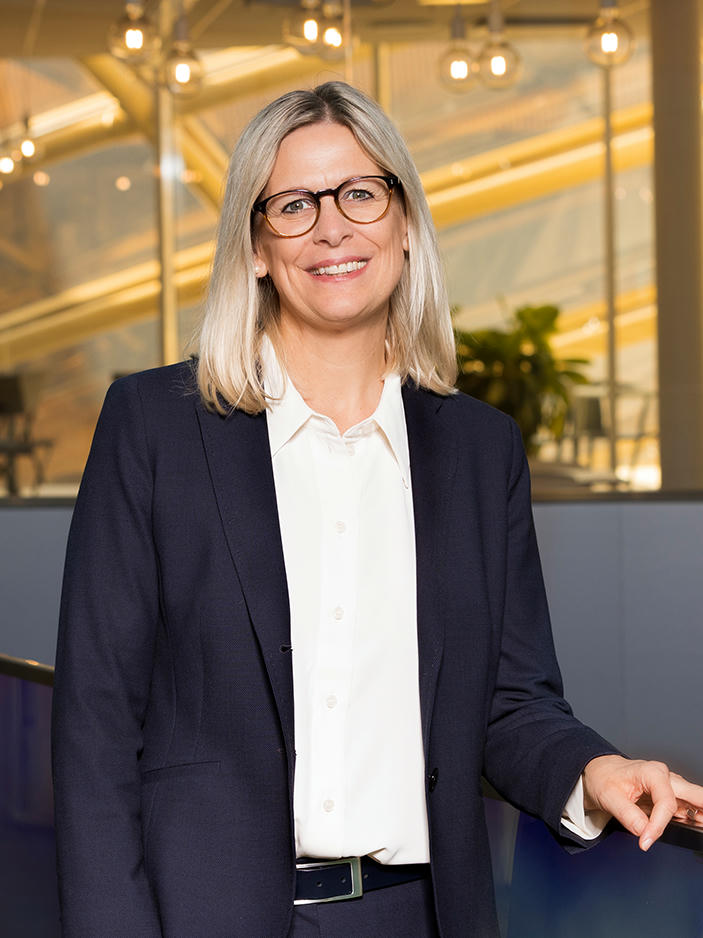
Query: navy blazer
x=173, y=702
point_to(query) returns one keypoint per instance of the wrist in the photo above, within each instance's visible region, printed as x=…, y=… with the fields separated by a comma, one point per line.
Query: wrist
x=595, y=769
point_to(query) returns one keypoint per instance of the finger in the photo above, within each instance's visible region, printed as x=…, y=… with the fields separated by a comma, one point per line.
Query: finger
x=632, y=817
x=687, y=791
x=665, y=806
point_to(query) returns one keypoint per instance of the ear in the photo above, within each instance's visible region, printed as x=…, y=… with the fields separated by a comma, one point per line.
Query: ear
x=260, y=268
x=406, y=241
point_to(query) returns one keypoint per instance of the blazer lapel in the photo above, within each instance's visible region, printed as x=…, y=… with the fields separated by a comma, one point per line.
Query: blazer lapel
x=432, y=467
x=239, y=459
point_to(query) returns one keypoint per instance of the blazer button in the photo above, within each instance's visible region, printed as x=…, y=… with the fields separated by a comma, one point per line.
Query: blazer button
x=432, y=780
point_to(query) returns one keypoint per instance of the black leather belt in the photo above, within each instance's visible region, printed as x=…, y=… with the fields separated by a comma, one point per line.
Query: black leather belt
x=349, y=878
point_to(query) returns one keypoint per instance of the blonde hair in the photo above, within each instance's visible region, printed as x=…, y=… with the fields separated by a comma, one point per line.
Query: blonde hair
x=240, y=308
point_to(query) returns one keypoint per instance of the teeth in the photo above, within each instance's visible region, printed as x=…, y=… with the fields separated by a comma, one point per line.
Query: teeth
x=338, y=268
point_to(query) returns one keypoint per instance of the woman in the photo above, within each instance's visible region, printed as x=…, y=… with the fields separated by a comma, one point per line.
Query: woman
x=326, y=545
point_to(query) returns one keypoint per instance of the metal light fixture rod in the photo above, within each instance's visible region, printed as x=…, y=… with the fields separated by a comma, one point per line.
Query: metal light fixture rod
x=495, y=18
x=347, y=33
x=610, y=273
x=457, y=30
x=167, y=158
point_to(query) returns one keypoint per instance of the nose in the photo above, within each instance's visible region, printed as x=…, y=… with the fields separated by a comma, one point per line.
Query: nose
x=331, y=226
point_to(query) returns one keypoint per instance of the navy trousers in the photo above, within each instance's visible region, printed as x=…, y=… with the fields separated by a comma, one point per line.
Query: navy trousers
x=404, y=911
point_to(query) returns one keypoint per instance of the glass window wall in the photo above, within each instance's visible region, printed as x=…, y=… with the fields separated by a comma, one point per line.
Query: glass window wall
x=514, y=179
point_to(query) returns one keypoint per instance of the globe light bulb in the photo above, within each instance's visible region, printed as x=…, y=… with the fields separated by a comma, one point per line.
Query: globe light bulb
x=310, y=30
x=332, y=37
x=27, y=148
x=457, y=69
x=499, y=64
x=7, y=165
x=332, y=31
x=609, y=41
x=133, y=38
x=183, y=70
x=304, y=30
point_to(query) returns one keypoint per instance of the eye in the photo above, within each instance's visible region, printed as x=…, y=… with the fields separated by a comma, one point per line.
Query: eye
x=359, y=193
x=294, y=206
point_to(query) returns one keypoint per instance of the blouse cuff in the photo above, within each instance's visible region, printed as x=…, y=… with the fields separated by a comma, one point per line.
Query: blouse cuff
x=585, y=824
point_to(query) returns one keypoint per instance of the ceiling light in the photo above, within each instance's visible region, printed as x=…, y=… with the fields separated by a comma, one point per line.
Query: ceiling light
x=304, y=31
x=28, y=146
x=134, y=37
x=7, y=165
x=609, y=41
x=332, y=29
x=332, y=36
x=183, y=70
x=499, y=63
x=457, y=69
x=311, y=29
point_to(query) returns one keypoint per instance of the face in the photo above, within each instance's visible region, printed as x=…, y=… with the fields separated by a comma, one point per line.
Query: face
x=321, y=156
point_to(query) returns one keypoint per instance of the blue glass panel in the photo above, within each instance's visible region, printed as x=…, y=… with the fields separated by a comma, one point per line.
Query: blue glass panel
x=612, y=891
x=28, y=895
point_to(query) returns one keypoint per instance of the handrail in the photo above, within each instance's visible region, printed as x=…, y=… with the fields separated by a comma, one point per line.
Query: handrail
x=27, y=669
x=678, y=833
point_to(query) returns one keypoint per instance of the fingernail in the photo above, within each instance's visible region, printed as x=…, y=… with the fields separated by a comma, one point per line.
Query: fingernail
x=647, y=843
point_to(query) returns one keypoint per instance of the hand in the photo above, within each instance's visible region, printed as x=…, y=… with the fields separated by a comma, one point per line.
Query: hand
x=643, y=796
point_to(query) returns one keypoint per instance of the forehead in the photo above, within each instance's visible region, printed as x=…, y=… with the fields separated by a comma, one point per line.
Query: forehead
x=318, y=156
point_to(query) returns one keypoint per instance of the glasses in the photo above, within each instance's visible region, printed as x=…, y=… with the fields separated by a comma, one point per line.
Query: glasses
x=362, y=199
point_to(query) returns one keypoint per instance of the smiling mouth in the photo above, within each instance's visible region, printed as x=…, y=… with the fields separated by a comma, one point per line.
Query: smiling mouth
x=336, y=269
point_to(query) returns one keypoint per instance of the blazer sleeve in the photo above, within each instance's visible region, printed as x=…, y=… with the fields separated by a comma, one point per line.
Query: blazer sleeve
x=108, y=623
x=535, y=749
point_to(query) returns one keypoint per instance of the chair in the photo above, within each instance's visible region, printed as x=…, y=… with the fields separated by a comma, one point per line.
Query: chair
x=19, y=394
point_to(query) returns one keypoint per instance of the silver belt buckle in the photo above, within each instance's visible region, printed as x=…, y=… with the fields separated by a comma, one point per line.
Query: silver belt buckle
x=354, y=864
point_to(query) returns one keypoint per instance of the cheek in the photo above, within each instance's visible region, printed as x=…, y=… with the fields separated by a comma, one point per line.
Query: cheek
x=271, y=254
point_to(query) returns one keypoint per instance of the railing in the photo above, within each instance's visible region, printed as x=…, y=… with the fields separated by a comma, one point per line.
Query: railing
x=27, y=670
x=611, y=891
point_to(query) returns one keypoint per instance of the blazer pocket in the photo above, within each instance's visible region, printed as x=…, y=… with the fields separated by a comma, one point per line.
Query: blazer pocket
x=184, y=770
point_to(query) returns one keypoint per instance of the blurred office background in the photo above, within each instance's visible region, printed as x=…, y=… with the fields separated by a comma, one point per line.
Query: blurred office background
x=563, y=175
x=121, y=189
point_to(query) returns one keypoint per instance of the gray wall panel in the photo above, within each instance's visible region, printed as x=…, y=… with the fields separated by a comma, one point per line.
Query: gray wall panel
x=625, y=584
x=581, y=558
x=32, y=546
x=663, y=588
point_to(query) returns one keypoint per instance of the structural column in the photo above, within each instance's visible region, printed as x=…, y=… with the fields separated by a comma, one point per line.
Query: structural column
x=677, y=176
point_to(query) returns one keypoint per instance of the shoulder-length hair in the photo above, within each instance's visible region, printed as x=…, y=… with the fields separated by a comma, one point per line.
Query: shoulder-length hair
x=240, y=309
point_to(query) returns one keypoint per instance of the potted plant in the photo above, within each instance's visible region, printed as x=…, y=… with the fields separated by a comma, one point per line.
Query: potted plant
x=515, y=370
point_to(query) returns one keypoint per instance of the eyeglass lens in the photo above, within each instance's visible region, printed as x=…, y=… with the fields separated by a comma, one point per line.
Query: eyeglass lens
x=362, y=200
